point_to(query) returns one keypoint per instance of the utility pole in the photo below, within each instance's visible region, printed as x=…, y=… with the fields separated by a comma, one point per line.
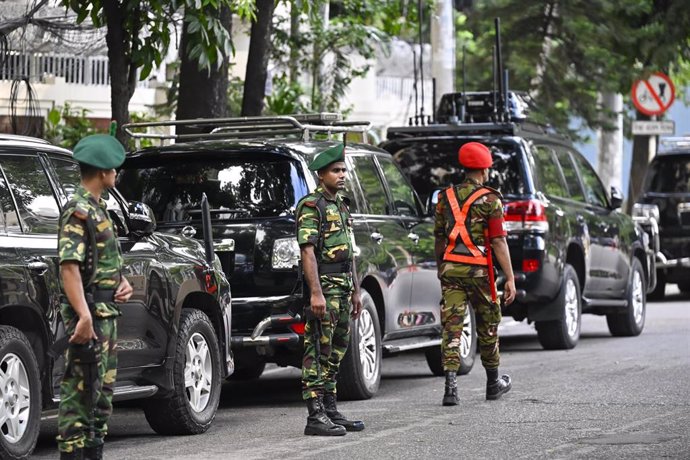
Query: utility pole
x=443, y=48
x=610, y=159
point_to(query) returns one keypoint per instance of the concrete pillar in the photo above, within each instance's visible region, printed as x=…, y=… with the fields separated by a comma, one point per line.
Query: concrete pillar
x=610, y=159
x=443, y=48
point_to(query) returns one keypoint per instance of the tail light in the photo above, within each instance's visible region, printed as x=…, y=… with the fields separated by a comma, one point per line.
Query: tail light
x=530, y=265
x=525, y=215
x=297, y=328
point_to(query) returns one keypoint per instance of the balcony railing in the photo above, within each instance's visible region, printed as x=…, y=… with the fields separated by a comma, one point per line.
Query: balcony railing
x=40, y=67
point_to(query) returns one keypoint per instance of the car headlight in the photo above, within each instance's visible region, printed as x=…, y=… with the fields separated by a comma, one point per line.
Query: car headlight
x=286, y=253
x=646, y=211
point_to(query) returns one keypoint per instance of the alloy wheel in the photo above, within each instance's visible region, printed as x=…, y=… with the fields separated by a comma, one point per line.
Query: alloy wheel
x=367, y=346
x=198, y=372
x=572, y=308
x=15, y=398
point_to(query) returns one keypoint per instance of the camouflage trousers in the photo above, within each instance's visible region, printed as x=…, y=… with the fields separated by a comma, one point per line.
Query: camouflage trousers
x=325, y=344
x=458, y=293
x=78, y=413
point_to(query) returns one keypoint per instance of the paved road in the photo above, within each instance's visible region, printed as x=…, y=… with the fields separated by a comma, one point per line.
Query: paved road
x=607, y=398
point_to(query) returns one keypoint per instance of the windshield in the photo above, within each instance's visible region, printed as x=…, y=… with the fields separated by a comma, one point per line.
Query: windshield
x=243, y=186
x=669, y=175
x=434, y=164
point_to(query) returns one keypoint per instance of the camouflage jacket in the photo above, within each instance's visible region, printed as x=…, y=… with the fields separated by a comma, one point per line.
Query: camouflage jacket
x=74, y=240
x=336, y=243
x=486, y=207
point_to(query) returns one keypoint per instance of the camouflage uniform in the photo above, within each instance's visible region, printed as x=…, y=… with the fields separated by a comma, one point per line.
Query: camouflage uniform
x=462, y=284
x=326, y=341
x=74, y=418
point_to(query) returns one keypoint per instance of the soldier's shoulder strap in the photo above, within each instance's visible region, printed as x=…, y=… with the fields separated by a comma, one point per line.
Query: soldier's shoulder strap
x=82, y=213
x=318, y=202
x=494, y=191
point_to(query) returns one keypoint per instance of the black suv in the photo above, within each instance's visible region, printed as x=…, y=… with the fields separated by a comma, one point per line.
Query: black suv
x=572, y=250
x=253, y=187
x=173, y=336
x=666, y=198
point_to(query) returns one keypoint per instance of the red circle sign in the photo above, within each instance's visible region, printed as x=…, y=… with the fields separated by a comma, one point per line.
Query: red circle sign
x=654, y=95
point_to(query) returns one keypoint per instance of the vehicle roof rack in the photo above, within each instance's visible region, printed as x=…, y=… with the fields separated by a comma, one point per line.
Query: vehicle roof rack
x=17, y=138
x=272, y=127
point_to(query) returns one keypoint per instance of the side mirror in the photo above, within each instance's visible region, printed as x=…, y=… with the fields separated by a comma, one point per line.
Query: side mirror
x=141, y=219
x=432, y=201
x=616, y=198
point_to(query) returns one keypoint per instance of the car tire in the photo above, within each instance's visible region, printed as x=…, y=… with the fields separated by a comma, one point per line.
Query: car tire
x=192, y=406
x=21, y=411
x=631, y=321
x=360, y=371
x=468, y=350
x=659, y=291
x=564, y=333
x=249, y=371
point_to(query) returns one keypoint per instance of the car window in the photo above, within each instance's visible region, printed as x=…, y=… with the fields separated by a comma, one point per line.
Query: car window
x=548, y=172
x=404, y=198
x=37, y=206
x=9, y=220
x=596, y=194
x=670, y=174
x=68, y=175
x=434, y=164
x=572, y=180
x=372, y=188
x=247, y=185
x=351, y=192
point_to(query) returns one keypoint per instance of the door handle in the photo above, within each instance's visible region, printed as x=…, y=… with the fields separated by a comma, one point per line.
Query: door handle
x=377, y=237
x=37, y=266
x=414, y=237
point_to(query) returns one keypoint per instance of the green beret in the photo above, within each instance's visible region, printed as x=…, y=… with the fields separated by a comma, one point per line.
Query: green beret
x=331, y=155
x=101, y=151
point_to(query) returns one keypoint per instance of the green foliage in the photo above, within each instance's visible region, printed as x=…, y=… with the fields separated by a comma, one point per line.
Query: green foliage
x=148, y=26
x=235, y=93
x=66, y=125
x=566, y=53
x=331, y=54
x=285, y=99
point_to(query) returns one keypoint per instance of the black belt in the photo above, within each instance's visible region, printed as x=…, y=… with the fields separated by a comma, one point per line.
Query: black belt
x=334, y=268
x=100, y=295
x=95, y=296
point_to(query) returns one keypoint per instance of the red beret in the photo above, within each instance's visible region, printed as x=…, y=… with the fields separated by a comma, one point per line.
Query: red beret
x=474, y=155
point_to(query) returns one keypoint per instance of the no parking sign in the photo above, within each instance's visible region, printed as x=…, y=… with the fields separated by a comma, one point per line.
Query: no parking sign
x=654, y=95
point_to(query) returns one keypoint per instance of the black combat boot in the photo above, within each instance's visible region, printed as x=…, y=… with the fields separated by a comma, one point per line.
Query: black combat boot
x=93, y=453
x=450, y=397
x=338, y=418
x=495, y=386
x=76, y=454
x=318, y=423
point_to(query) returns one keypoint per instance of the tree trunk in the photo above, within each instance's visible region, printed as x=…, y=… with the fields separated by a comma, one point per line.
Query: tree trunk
x=123, y=75
x=257, y=61
x=610, y=164
x=202, y=93
x=293, y=65
x=644, y=148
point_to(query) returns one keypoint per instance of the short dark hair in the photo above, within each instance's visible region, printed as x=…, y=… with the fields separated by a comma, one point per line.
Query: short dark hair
x=86, y=170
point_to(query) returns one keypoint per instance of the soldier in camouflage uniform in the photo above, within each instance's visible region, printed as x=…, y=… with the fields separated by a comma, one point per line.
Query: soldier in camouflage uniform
x=92, y=284
x=468, y=225
x=324, y=233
